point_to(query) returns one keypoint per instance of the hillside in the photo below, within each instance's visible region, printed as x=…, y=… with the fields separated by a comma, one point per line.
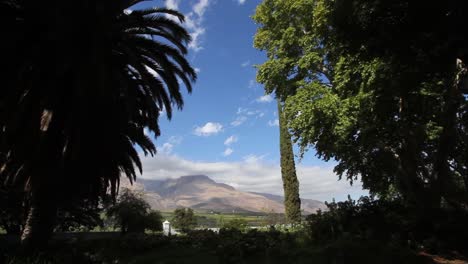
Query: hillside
x=201, y=193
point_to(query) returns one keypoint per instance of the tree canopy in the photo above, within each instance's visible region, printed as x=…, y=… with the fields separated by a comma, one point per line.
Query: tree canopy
x=132, y=214
x=378, y=87
x=184, y=219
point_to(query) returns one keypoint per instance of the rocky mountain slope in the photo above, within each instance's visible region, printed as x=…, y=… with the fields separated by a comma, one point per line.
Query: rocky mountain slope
x=201, y=193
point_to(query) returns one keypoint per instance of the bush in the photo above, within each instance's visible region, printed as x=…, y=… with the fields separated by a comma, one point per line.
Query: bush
x=154, y=221
x=132, y=214
x=236, y=223
x=389, y=222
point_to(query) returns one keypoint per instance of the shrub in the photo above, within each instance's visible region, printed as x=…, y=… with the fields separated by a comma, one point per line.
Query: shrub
x=389, y=222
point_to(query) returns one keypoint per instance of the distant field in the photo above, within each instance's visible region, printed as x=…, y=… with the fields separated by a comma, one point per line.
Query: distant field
x=218, y=219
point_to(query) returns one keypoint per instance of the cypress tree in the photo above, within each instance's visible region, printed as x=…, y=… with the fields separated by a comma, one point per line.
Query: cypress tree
x=292, y=202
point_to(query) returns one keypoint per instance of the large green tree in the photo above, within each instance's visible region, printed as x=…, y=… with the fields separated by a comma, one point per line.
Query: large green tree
x=132, y=214
x=292, y=201
x=376, y=86
x=86, y=79
x=184, y=219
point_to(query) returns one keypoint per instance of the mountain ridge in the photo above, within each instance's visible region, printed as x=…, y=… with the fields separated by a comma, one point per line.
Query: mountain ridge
x=202, y=193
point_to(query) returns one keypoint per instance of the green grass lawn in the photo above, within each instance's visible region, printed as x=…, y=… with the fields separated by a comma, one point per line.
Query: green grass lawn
x=206, y=219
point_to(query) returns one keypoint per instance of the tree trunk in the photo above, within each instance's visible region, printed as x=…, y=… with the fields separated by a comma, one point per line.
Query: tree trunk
x=40, y=222
x=444, y=187
x=292, y=201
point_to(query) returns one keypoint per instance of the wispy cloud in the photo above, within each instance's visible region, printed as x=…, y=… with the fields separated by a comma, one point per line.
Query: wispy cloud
x=176, y=140
x=228, y=152
x=209, y=129
x=245, y=64
x=252, y=158
x=200, y=7
x=241, y=2
x=273, y=122
x=168, y=147
x=172, y=4
x=239, y=121
x=249, y=112
x=230, y=140
x=255, y=175
x=244, y=114
x=265, y=98
x=194, y=22
x=252, y=84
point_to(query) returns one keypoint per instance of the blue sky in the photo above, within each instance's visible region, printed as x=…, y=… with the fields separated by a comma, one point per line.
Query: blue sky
x=228, y=128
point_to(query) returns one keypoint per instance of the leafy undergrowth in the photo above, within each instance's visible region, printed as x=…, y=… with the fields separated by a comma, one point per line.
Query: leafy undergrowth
x=230, y=246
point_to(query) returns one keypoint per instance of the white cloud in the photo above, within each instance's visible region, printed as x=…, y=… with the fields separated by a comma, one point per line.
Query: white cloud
x=273, y=122
x=167, y=148
x=254, y=175
x=197, y=70
x=245, y=64
x=265, y=98
x=243, y=114
x=228, y=152
x=239, y=121
x=195, y=43
x=173, y=4
x=230, y=140
x=250, y=112
x=194, y=23
x=200, y=7
x=241, y=2
x=208, y=129
x=253, y=158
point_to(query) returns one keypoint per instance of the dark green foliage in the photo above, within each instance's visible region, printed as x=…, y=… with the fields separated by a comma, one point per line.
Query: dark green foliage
x=237, y=223
x=184, y=219
x=154, y=221
x=292, y=202
x=132, y=214
x=79, y=216
x=230, y=246
x=391, y=223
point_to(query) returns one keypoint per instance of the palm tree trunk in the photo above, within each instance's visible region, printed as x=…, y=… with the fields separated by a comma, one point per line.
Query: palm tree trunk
x=292, y=201
x=40, y=221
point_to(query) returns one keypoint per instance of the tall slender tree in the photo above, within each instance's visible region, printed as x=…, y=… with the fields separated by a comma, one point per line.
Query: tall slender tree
x=292, y=201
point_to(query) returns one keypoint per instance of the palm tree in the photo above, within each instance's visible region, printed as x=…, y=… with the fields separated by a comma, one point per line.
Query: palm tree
x=89, y=94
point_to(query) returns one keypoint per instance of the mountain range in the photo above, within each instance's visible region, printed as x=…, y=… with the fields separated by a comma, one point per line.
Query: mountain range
x=201, y=193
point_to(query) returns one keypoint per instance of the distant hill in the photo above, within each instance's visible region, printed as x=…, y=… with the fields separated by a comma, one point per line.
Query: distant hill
x=201, y=193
